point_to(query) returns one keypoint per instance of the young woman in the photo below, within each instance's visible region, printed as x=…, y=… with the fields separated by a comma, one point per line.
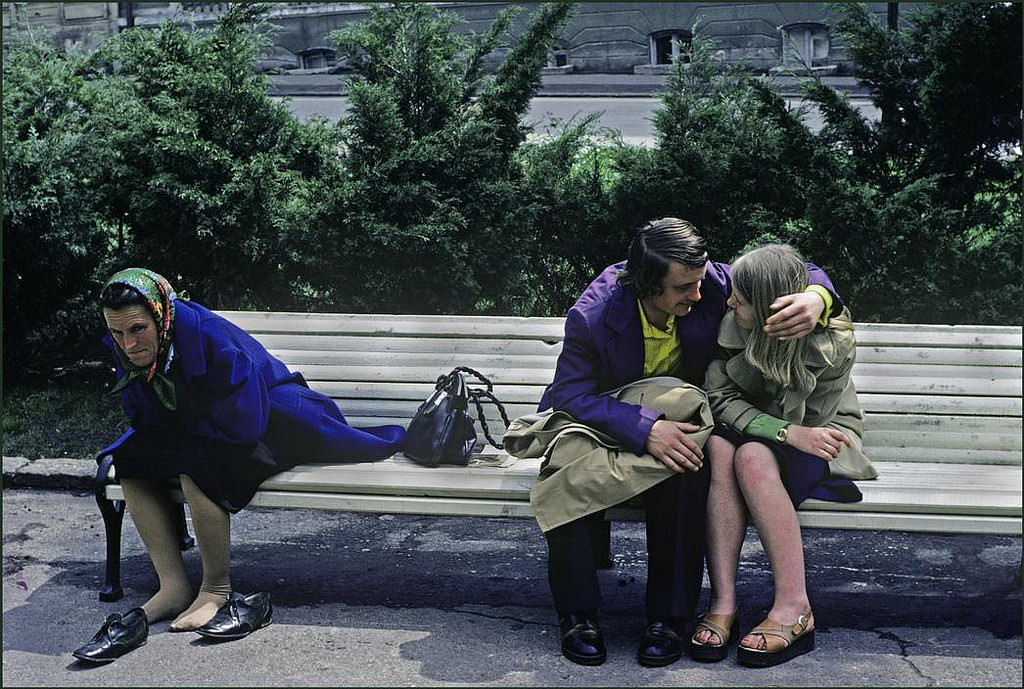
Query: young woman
x=210, y=406
x=789, y=427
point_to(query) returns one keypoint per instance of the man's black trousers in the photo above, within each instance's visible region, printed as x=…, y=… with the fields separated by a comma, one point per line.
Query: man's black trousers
x=676, y=512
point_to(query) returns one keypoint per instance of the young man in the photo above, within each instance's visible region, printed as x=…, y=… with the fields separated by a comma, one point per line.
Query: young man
x=657, y=314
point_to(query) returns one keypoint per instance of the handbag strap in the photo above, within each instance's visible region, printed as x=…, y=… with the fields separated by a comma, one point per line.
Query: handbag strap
x=475, y=395
x=481, y=377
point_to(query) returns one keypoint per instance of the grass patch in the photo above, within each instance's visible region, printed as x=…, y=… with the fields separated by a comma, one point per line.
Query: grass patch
x=65, y=417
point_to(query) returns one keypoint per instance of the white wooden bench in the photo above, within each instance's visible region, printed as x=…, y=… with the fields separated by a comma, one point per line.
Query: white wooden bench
x=943, y=408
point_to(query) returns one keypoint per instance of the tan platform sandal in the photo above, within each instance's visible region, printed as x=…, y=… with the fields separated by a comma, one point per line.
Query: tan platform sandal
x=725, y=626
x=783, y=642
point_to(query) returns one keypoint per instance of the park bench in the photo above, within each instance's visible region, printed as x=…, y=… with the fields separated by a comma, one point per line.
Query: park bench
x=942, y=404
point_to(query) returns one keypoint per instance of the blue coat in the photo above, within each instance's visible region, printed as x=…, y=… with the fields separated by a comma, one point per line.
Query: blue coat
x=231, y=390
x=603, y=349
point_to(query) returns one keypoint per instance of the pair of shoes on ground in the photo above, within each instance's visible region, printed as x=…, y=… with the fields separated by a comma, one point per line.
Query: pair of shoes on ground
x=583, y=643
x=783, y=642
x=121, y=634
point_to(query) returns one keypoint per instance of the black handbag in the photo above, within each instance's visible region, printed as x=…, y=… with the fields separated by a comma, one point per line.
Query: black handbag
x=442, y=431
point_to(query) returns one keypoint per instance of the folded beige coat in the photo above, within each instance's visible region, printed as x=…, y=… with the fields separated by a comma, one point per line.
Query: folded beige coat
x=585, y=470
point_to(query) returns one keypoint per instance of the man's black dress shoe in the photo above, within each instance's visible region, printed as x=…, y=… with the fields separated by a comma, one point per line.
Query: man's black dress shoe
x=239, y=617
x=118, y=635
x=581, y=640
x=661, y=645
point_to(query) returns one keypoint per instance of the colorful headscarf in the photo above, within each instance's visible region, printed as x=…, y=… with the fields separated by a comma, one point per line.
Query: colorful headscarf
x=159, y=297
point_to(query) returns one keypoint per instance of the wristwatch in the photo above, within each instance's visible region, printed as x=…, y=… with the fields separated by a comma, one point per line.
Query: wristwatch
x=782, y=434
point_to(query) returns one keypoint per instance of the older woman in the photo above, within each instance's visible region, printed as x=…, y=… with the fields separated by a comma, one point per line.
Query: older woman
x=210, y=406
x=789, y=428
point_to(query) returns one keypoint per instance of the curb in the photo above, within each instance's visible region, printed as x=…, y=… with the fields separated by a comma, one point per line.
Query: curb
x=58, y=473
x=554, y=86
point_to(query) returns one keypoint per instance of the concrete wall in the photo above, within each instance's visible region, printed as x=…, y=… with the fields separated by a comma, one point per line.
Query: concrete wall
x=76, y=27
x=611, y=37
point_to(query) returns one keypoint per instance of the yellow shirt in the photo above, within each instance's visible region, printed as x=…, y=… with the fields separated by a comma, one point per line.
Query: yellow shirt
x=662, y=353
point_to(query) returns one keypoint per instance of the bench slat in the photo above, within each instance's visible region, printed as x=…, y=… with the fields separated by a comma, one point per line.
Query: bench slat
x=437, y=363
x=341, y=391
x=913, y=335
x=877, y=421
x=935, y=498
x=502, y=327
x=920, y=405
x=936, y=386
x=541, y=377
x=938, y=371
x=882, y=453
x=551, y=329
x=924, y=523
x=309, y=342
x=456, y=507
x=401, y=402
x=901, y=486
x=953, y=441
x=400, y=476
x=915, y=405
x=397, y=374
x=867, y=354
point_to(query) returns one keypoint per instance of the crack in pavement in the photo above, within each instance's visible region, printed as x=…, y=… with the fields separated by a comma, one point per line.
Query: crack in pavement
x=904, y=645
x=498, y=617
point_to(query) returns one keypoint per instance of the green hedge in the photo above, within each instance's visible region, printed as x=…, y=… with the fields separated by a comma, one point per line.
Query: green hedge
x=162, y=149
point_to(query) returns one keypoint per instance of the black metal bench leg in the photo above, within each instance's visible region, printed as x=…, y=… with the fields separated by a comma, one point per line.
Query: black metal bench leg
x=603, y=545
x=112, y=512
x=184, y=540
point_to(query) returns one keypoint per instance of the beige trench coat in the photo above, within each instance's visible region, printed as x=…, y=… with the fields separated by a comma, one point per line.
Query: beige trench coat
x=586, y=471
x=738, y=392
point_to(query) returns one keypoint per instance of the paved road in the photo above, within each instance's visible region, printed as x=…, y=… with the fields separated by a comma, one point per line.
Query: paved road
x=630, y=116
x=381, y=600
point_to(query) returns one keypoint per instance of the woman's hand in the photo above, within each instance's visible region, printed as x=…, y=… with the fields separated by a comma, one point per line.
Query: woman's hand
x=820, y=442
x=795, y=315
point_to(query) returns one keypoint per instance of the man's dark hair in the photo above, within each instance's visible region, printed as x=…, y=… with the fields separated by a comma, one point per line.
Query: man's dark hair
x=657, y=244
x=118, y=296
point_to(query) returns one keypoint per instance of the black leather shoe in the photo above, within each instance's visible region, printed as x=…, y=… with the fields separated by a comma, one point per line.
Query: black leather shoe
x=581, y=640
x=120, y=634
x=660, y=646
x=239, y=617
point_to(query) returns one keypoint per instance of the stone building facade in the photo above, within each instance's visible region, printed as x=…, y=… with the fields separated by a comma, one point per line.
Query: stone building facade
x=605, y=37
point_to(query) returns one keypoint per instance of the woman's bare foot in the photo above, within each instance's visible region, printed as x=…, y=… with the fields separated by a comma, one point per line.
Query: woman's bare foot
x=202, y=610
x=166, y=603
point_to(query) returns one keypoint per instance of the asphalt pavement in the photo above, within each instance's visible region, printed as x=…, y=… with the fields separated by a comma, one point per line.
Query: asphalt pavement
x=582, y=84
x=385, y=600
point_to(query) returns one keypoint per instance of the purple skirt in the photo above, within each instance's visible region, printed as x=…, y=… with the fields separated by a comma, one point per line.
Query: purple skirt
x=803, y=475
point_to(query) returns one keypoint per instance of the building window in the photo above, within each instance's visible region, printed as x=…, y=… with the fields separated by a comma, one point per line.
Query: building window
x=558, y=54
x=805, y=45
x=670, y=46
x=318, y=58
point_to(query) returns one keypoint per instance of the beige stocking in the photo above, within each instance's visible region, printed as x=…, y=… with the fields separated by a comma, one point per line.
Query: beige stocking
x=212, y=525
x=155, y=517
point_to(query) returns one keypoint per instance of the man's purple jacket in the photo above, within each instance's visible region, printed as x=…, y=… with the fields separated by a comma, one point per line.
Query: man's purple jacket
x=603, y=349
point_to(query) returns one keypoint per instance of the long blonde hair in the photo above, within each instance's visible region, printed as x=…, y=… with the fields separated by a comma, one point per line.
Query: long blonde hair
x=761, y=276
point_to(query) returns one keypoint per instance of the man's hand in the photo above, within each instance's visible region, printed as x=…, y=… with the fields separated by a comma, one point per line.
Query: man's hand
x=669, y=443
x=795, y=315
x=818, y=441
